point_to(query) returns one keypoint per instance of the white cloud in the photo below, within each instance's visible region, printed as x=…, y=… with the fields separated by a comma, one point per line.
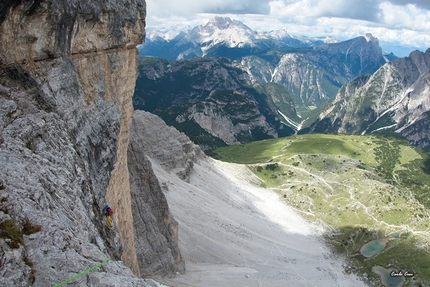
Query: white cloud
x=406, y=22
x=352, y=9
x=188, y=8
x=406, y=17
x=425, y=4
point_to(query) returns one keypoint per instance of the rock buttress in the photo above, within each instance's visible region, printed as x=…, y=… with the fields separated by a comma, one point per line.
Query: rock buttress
x=156, y=231
x=67, y=72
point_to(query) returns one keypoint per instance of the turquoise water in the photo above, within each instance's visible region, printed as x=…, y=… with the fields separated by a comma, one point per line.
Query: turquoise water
x=396, y=234
x=386, y=279
x=373, y=247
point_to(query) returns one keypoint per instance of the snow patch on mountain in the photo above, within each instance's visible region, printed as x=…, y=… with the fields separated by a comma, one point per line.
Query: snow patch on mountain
x=154, y=34
x=223, y=30
x=290, y=122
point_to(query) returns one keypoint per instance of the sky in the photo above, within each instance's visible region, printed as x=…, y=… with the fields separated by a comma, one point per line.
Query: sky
x=400, y=25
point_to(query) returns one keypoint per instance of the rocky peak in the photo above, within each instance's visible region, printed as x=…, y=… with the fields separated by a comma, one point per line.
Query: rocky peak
x=225, y=23
x=421, y=60
x=369, y=38
x=394, y=98
x=220, y=22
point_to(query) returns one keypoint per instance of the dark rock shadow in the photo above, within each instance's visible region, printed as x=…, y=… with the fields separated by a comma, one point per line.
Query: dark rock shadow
x=426, y=166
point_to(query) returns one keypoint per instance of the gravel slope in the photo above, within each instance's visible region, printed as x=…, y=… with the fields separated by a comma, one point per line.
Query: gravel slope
x=234, y=233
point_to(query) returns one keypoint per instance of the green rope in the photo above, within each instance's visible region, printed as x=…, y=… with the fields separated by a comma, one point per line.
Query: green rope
x=83, y=273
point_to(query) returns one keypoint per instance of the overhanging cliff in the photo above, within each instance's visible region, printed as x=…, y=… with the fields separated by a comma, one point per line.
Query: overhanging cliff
x=67, y=75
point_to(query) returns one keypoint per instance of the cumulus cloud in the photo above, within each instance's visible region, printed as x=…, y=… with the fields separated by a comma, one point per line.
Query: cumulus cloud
x=424, y=4
x=353, y=9
x=303, y=11
x=403, y=21
x=239, y=6
x=187, y=8
x=410, y=17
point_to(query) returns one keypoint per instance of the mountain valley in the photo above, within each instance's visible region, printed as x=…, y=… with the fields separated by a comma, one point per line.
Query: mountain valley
x=345, y=87
x=366, y=188
x=212, y=100
x=362, y=189
x=288, y=85
x=232, y=230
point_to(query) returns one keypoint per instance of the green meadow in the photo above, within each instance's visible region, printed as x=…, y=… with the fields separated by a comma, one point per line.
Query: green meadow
x=360, y=188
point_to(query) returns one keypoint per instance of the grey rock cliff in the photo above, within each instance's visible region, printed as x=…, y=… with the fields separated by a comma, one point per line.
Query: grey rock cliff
x=67, y=75
x=171, y=148
x=156, y=231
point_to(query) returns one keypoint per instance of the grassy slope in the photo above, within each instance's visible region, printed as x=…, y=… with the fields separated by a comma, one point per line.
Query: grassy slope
x=360, y=187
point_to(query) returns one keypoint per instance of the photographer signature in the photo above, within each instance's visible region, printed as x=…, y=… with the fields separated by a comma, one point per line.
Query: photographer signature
x=401, y=274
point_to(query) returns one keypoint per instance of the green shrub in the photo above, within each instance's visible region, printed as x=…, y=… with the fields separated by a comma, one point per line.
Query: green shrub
x=272, y=166
x=28, y=228
x=8, y=229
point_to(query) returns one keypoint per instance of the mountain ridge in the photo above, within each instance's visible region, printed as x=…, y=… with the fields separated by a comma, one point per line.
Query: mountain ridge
x=394, y=98
x=312, y=71
x=288, y=85
x=220, y=36
x=213, y=100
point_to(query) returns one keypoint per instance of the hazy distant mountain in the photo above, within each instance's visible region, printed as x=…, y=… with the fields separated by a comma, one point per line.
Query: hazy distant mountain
x=221, y=36
x=313, y=75
x=213, y=100
x=395, y=98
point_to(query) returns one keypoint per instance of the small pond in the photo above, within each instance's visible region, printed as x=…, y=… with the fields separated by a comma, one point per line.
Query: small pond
x=396, y=234
x=373, y=247
x=386, y=279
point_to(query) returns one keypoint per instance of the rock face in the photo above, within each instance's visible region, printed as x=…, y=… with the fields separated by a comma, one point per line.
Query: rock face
x=394, y=98
x=314, y=75
x=67, y=76
x=176, y=152
x=156, y=231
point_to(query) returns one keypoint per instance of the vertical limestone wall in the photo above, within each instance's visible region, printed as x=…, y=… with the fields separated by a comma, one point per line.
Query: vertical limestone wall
x=67, y=76
x=105, y=76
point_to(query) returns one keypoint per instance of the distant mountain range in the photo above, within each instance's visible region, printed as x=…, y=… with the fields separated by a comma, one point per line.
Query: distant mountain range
x=213, y=100
x=313, y=75
x=272, y=84
x=395, y=98
x=312, y=70
x=220, y=37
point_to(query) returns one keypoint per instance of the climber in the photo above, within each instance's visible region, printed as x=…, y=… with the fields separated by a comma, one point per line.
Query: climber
x=109, y=210
x=108, y=213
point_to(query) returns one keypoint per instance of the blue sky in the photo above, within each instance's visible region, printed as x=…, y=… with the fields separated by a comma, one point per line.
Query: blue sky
x=400, y=25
